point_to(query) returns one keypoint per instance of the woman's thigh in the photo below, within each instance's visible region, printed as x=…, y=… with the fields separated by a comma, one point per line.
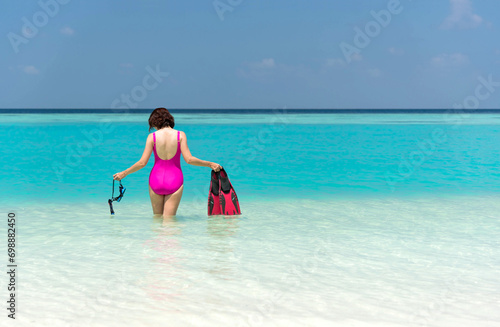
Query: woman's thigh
x=171, y=202
x=157, y=201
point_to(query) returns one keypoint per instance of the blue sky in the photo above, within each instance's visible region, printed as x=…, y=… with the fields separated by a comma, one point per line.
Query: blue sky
x=249, y=53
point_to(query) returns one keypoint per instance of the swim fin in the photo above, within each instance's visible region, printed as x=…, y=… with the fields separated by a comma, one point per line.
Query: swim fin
x=227, y=196
x=213, y=195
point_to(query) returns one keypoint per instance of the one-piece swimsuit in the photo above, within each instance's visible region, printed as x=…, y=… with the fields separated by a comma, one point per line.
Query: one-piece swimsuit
x=166, y=176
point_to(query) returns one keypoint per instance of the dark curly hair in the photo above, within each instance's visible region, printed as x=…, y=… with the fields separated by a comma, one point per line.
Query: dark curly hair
x=160, y=117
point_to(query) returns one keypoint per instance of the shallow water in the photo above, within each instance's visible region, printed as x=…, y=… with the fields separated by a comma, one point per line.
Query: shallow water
x=420, y=262
x=326, y=238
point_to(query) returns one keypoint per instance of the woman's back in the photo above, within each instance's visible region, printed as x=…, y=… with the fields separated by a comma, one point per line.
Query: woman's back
x=166, y=143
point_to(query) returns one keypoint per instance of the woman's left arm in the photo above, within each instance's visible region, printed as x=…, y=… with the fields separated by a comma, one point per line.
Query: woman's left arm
x=139, y=164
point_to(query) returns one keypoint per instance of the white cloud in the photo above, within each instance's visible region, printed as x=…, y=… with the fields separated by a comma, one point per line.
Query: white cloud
x=335, y=62
x=446, y=60
x=264, y=63
x=356, y=57
x=461, y=16
x=268, y=71
x=374, y=72
x=259, y=69
x=67, y=31
x=31, y=70
x=396, y=51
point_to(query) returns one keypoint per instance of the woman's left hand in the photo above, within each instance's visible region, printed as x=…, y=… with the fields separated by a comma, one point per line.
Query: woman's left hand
x=119, y=176
x=215, y=166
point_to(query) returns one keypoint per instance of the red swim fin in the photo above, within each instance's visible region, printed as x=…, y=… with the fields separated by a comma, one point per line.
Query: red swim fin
x=214, y=195
x=227, y=195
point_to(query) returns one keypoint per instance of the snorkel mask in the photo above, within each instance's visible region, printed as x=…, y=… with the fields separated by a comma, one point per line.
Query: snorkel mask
x=118, y=198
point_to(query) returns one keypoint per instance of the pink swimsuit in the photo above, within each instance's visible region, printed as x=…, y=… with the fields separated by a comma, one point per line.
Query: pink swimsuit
x=166, y=176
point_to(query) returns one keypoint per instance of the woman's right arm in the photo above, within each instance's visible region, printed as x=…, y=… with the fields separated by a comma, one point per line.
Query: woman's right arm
x=192, y=160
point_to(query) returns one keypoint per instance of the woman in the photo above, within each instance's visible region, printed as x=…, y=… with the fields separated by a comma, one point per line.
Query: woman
x=165, y=180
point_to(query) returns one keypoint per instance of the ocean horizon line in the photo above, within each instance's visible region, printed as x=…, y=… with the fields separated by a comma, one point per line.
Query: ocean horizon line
x=246, y=111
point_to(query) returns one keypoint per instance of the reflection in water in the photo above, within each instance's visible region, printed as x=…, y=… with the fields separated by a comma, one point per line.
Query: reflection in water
x=222, y=233
x=218, y=265
x=184, y=266
x=164, y=278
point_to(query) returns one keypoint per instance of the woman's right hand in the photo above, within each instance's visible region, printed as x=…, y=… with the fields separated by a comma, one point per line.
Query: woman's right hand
x=215, y=167
x=119, y=176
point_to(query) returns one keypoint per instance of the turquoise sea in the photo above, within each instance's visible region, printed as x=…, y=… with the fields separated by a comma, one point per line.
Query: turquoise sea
x=348, y=220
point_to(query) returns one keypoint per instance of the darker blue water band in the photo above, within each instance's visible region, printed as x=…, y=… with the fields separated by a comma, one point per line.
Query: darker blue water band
x=253, y=111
